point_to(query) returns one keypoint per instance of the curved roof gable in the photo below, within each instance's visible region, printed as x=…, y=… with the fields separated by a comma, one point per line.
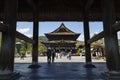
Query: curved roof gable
x=62, y=32
x=62, y=29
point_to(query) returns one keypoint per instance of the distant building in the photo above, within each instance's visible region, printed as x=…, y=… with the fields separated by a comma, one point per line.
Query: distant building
x=62, y=39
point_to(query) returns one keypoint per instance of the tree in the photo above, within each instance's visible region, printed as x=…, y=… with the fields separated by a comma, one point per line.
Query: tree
x=100, y=41
x=42, y=48
x=28, y=46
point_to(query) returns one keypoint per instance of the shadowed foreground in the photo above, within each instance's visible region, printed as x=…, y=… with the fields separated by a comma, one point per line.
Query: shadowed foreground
x=61, y=71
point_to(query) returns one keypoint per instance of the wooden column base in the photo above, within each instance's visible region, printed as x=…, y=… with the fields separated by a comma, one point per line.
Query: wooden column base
x=89, y=65
x=112, y=75
x=34, y=66
x=10, y=76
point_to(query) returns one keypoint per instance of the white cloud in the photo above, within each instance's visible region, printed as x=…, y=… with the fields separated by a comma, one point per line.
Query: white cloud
x=81, y=38
x=25, y=31
x=29, y=35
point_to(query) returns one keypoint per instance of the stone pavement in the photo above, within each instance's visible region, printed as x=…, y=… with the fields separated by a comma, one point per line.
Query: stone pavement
x=63, y=59
x=61, y=71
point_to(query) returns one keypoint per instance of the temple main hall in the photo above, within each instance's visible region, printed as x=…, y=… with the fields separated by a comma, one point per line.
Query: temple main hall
x=62, y=39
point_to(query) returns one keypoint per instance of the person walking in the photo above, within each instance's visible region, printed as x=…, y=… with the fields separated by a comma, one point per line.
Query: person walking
x=56, y=55
x=49, y=56
x=53, y=55
x=81, y=55
x=69, y=55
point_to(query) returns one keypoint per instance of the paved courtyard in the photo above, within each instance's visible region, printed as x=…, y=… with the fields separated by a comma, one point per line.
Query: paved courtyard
x=63, y=59
x=61, y=69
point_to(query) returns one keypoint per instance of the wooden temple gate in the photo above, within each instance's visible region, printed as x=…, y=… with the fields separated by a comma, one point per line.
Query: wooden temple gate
x=9, y=14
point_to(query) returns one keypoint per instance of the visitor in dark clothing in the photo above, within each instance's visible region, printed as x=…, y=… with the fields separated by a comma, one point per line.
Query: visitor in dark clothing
x=53, y=55
x=49, y=56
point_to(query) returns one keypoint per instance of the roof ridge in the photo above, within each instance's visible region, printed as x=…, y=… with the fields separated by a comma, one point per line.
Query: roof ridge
x=62, y=28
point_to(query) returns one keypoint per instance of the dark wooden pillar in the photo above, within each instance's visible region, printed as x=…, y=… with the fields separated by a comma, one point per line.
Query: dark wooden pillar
x=8, y=42
x=8, y=38
x=111, y=41
x=86, y=38
x=35, y=38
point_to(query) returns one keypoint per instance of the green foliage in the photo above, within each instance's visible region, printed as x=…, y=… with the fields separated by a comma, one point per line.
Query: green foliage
x=23, y=49
x=42, y=38
x=119, y=42
x=78, y=50
x=42, y=48
x=25, y=46
x=79, y=43
x=100, y=41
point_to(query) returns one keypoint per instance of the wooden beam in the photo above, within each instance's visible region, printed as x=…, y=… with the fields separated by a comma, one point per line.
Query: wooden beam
x=31, y=3
x=23, y=37
x=97, y=37
x=116, y=27
x=3, y=27
x=88, y=4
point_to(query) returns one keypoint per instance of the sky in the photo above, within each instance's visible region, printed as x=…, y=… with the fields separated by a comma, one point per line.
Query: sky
x=47, y=27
